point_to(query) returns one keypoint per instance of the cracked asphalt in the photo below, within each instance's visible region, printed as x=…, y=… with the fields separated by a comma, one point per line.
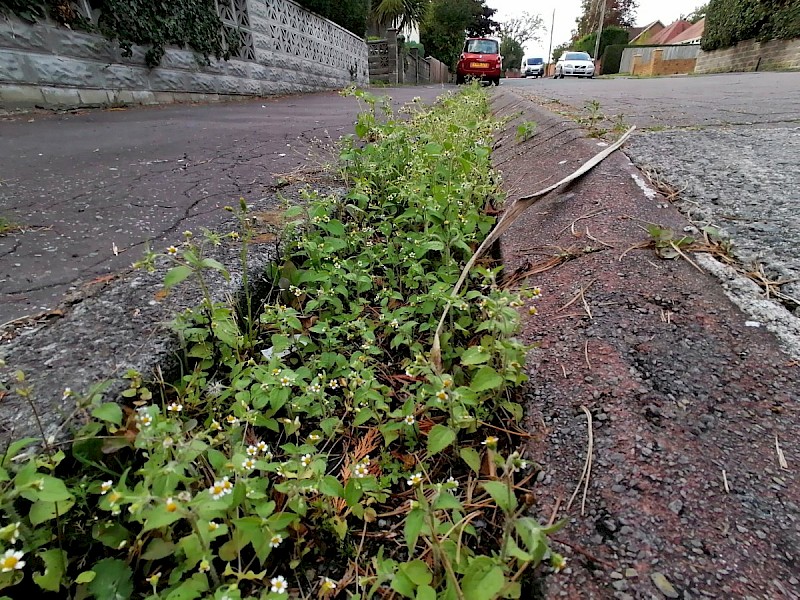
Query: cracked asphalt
x=90, y=189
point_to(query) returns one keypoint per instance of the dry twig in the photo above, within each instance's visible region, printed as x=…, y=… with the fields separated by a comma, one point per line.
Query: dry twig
x=587, y=467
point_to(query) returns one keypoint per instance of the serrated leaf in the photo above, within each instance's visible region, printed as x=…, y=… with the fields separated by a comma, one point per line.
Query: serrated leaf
x=110, y=412
x=330, y=486
x=413, y=527
x=484, y=580
x=503, y=495
x=439, y=438
x=417, y=571
x=113, y=580
x=176, y=274
x=486, y=379
x=475, y=355
x=472, y=458
x=42, y=511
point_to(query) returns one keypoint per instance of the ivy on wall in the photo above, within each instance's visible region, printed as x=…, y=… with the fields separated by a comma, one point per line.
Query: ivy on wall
x=731, y=21
x=192, y=23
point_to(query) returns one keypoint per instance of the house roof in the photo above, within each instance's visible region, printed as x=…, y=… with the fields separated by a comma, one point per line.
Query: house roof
x=670, y=31
x=640, y=31
x=692, y=33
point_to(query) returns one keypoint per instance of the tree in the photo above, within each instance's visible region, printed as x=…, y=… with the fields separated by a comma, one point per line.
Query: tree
x=618, y=12
x=512, y=52
x=697, y=14
x=396, y=13
x=610, y=36
x=559, y=50
x=521, y=29
x=445, y=25
x=483, y=24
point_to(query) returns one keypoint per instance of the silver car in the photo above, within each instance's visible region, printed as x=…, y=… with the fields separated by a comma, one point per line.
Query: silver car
x=574, y=64
x=532, y=67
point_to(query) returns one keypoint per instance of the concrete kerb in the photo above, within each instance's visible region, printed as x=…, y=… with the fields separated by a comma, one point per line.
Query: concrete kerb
x=111, y=328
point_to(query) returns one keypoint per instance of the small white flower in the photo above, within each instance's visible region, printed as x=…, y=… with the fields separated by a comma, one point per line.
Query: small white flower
x=67, y=393
x=172, y=250
x=105, y=486
x=213, y=526
x=451, y=482
x=10, y=561
x=305, y=460
x=232, y=421
x=490, y=442
x=275, y=540
x=278, y=585
x=394, y=324
x=415, y=479
x=360, y=471
x=286, y=382
x=249, y=464
x=221, y=488
x=409, y=419
x=314, y=437
x=252, y=450
x=175, y=407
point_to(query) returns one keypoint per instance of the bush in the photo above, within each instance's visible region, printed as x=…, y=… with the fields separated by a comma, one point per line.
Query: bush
x=610, y=36
x=731, y=21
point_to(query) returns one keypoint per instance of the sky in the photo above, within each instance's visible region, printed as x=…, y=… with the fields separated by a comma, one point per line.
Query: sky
x=568, y=10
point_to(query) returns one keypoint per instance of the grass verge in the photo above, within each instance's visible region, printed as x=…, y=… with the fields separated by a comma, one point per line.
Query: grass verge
x=310, y=448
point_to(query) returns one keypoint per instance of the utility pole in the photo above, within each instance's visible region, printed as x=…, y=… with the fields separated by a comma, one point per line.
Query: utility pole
x=599, y=31
x=550, y=49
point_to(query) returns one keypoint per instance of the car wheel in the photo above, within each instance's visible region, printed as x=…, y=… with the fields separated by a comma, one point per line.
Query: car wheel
x=496, y=81
x=459, y=79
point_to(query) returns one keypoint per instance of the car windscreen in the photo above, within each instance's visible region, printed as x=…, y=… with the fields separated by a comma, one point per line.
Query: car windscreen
x=481, y=47
x=535, y=61
x=577, y=56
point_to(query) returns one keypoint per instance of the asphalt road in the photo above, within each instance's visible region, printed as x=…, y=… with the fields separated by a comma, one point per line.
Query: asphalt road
x=728, y=143
x=90, y=189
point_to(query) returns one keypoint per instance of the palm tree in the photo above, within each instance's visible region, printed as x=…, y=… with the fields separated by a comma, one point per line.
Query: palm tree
x=397, y=13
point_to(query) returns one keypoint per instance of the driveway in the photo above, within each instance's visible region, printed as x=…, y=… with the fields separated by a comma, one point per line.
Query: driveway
x=728, y=143
x=90, y=189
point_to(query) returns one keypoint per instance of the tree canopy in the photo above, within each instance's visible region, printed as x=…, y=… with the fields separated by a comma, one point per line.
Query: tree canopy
x=618, y=12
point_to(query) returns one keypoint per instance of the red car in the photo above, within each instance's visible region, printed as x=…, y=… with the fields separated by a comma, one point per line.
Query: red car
x=480, y=60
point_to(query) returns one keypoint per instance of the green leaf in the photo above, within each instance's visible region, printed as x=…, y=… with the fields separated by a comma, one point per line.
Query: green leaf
x=55, y=564
x=426, y=592
x=159, y=517
x=86, y=577
x=403, y=585
x=52, y=489
x=176, y=274
x=446, y=501
x=503, y=495
x=413, y=527
x=158, y=548
x=439, y=438
x=42, y=511
x=113, y=580
x=484, y=580
x=352, y=493
x=486, y=379
x=472, y=458
x=110, y=412
x=417, y=571
x=210, y=263
x=331, y=486
x=475, y=355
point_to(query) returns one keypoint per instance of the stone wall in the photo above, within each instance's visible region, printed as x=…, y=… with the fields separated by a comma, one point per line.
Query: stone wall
x=285, y=49
x=751, y=55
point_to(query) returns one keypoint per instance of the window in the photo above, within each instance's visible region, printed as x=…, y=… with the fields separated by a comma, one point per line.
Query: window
x=481, y=47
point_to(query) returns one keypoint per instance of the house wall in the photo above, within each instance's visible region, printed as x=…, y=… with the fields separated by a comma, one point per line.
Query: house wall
x=286, y=49
x=751, y=55
x=668, y=53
